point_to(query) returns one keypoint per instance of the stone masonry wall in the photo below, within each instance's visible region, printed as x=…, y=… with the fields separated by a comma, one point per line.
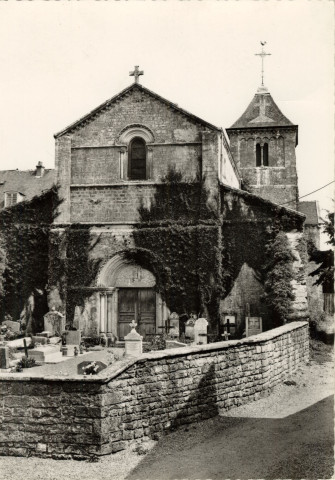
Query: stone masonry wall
x=103, y=204
x=102, y=165
x=138, y=399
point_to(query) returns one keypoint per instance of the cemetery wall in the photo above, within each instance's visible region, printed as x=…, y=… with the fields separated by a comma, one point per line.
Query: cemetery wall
x=141, y=398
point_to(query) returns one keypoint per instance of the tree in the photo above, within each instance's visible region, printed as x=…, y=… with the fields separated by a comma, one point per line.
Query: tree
x=325, y=271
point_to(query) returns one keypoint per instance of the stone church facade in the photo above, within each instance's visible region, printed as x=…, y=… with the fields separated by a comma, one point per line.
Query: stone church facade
x=111, y=163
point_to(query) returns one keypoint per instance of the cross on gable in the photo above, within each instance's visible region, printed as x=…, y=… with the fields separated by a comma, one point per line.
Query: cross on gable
x=136, y=73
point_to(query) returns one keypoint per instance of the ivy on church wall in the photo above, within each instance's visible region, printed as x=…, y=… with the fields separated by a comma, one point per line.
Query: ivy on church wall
x=72, y=267
x=25, y=229
x=182, y=237
x=201, y=252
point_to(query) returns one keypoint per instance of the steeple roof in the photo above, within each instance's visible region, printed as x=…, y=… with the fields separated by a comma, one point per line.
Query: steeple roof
x=262, y=112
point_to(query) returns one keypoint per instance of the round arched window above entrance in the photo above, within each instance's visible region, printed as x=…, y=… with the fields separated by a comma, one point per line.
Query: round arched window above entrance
x=137, y=159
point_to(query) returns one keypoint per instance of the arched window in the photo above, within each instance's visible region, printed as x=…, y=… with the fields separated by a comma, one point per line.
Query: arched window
x=266, y=155
x=262, y=155
x=137, y=157
x=258, y=155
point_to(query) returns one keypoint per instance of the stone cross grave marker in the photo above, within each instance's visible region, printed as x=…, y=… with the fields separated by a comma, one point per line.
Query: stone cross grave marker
x=174, y=325
x=4, y=358
x=229, y=325
x=200, y=331
x=133, y=342
x=54, y=322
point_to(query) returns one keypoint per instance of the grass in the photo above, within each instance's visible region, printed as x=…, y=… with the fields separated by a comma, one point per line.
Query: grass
x=320, y=352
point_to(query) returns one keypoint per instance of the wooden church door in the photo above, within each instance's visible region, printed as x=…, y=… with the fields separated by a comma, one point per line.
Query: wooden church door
x=138, y=304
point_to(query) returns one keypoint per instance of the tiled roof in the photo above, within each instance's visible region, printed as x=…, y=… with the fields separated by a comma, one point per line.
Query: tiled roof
x=117, y=97
x=25, y=182
x=311, y=210
x=262, y=112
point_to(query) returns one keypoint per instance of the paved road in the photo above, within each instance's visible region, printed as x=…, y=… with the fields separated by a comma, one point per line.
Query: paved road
x=295, y=447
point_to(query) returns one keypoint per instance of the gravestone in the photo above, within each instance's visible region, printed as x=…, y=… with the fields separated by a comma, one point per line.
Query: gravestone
x=4, y=358
x=200, y=331
x=39, y=339
x=54, y=322
x=13, y=326
x=229, y=326
x=43, y=353
x=253, y=326
x=189, y=329
x=133, y=342
x=174, y=325
x=82, y=365
x=73, y=337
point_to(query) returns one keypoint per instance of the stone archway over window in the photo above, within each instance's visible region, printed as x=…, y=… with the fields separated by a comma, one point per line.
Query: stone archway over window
x=136, y=153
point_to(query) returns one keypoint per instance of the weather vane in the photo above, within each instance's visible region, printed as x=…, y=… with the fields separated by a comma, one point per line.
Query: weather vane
x=262, y=55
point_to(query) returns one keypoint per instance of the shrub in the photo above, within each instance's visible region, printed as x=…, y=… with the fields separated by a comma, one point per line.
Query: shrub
x=91, y=341
x=25, y=362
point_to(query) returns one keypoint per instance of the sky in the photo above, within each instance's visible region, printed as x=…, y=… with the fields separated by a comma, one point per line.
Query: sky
x=59, y=60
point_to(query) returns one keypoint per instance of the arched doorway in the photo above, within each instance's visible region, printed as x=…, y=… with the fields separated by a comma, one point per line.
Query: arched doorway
x=127, y=293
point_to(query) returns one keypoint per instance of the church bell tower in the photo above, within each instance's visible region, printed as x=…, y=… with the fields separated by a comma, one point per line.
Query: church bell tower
x=263, y=143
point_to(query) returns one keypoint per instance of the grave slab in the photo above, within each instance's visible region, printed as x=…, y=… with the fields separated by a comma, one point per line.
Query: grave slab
x=40, y=354
x=45, y=333
x=18, y=343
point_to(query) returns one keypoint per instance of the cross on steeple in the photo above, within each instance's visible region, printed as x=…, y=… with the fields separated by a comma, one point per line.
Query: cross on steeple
x=262, y=55
x=136, y=73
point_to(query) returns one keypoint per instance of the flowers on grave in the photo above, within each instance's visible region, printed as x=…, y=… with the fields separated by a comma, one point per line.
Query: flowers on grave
x=25, y=362
x=10, y=335
x=91, y=369
x=3, y=329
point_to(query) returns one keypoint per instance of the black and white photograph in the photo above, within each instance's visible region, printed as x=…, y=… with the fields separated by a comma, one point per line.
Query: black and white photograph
x=167, y=240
